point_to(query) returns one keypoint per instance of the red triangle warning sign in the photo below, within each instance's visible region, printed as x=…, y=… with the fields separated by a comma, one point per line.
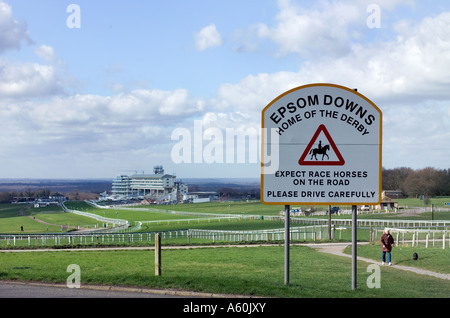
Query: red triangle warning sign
x=319, y=156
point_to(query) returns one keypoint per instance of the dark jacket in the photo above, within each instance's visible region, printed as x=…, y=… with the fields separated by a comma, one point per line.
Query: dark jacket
x=386, y=241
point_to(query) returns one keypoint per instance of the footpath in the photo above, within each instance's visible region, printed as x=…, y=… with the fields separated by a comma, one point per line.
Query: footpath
x=338, y=249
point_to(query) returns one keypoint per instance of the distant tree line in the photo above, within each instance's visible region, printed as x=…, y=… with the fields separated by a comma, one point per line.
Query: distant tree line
x=29, y=194
x=427, y=182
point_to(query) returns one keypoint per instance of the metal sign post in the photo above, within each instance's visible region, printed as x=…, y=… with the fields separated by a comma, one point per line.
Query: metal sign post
x=354, y=245
x=158, y=254
x=287, y=220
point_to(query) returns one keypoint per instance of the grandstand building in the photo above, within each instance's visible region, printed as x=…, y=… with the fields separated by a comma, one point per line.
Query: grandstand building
x=156, y=187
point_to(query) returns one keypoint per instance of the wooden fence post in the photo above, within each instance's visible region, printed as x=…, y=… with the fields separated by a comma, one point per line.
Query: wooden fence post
x=157, y=254
x=443, y=241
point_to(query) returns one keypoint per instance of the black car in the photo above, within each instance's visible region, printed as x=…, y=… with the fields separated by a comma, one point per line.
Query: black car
x=335, y=210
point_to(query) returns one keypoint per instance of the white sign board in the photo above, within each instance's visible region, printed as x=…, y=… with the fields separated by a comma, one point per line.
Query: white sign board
x=321, y=144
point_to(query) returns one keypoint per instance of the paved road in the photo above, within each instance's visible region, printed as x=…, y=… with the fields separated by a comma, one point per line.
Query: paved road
x=37, y=290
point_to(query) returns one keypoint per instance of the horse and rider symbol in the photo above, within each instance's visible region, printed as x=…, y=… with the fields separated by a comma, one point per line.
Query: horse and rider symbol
x=320, y=151
x=314, y=153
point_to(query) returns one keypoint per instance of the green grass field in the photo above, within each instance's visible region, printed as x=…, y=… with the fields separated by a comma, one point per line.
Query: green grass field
x=244, y=270
x=257, y=271
x=13, y=216
x=128, y=214
x=11, y=221
x=244, y=208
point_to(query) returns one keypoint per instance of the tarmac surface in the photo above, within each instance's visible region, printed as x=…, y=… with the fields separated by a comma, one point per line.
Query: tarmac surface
x=10, y=289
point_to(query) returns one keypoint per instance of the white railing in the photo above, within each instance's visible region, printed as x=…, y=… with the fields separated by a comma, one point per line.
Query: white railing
x=297, y=233
x=118, y=223
x=375, y=222
x=416, y=237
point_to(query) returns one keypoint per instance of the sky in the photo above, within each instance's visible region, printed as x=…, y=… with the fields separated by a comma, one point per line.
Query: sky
x=94, y=89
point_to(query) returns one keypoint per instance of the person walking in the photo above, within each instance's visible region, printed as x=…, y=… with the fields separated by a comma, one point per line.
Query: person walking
x=387, y=242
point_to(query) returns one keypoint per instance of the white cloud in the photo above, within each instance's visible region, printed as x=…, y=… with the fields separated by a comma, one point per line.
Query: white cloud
x=23, y=80
x=407, y=77
x=208, y=37
x=314, y=30
x=323, y=29
x=80, y=131
x=12, y=32
x=47, y=54
x=94, y=123
x=414, y=65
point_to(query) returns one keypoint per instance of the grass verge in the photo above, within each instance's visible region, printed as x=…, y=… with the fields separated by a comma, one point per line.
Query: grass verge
x=257, y=271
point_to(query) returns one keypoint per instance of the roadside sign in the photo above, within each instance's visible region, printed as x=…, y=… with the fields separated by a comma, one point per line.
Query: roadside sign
x=321, y=144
